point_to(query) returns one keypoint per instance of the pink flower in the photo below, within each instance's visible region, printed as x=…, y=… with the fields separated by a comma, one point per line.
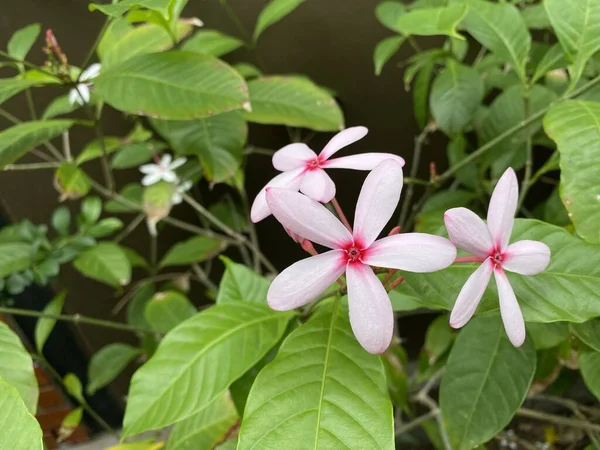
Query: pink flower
x=371, y=314
x=489, y=243
x=303, y=169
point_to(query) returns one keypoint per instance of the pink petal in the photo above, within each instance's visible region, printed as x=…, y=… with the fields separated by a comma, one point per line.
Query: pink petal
x=414, y=252
x=289, y=180
x=470, y=295
x=292, y=156
x=341, y=140
x=371, y=314
x=468, y=231
x=502, y=209
x=510, y=310
x=377, y=201
x=318, y=186
x=526, y=257
x=308, y=218
x=305, y=280
x=364, y=161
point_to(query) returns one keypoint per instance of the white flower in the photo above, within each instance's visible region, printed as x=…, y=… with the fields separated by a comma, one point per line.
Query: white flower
x=179, y=191
x=81, y=93
x=164, y=170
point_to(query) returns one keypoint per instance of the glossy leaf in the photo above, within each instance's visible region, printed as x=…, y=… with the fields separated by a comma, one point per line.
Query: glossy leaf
x=322, y=388
x=94, y=149
x=12, y=86
x=589, y=363
x=73, y=386
x=106, y=263
x=132, y=193
x=432, y=21
x=45, y=325
x=191, y=251
x=22, y=40
x=241, y=284
x=14, y=257
x=200, y=356
x=388, y=13
x=136, y=309
x=553, y=59
x=431, y=217
x=547, y=335
x=588, y=332
x=107, y=363
x=166, y=310
x=71, y=181
x=136, y=154
x=457, y=151
x=61, y=105
x=384, y=50
x=69, y=424
x=248, y=70
x=486, y=380
x=438, y=338
x=120, y=8
x=211, y=42
x=18, y=428
x=272, y=13
x=535, y=17
x=420, y=91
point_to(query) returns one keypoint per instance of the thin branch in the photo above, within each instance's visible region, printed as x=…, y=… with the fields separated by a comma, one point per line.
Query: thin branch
x=30, y=104
x=130, y=227
x=416, y=422
x=67, y=146
x=237, y=22
x=340, y=213
x=559, y=420
x=203, y=278
x=32, y=166
x=526, y=183
x=92, y=49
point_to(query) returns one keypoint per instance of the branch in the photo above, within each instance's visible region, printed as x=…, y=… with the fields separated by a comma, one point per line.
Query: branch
x=559, y=420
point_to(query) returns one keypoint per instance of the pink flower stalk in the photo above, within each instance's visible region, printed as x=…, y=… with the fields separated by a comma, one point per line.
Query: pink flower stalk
x=303, y=169
x=352, y=253
x=489, y=244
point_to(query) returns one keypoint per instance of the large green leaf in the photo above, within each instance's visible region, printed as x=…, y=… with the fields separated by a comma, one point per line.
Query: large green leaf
x=206, y=428
x=12, y=86
x=217, y=141
x=120, y=8
x=166, y=310
x=322, y=391
x=16, y=141
x=554, y=58
x=295, y=102
x=589, y=363
x=22, y=40
x=203, y=356
x=173, y=85
x=211, y=42
x=94, y=150
x=388, y=13
x=456, y=95
x=577, y=26
x=588, y=332
x=191, y=251
x=431, y=217
x=575, y=127
x=241, y=284
x=485, y=381
x=14, y=257
x=568, y=290
x=384, y=50
x=547, y=335
x=18, y=428
x=106, y=262
x=45, y=325
x=273, y=12
x=431, y=21
x=535, y=16
x=16, y=367
x=107, y=363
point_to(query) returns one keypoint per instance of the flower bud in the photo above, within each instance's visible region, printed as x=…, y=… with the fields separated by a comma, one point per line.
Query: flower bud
x=157, y=203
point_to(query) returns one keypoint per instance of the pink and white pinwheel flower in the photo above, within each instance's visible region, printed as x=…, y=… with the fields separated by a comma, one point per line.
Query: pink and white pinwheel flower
x=81, y=93
x=371, y=314
x=303, y=169
x=489, y=244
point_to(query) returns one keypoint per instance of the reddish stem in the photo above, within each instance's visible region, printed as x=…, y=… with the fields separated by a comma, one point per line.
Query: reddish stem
x=308, y=247
x=395, y=230
x=394, y=284
x=468, y=259
x=340, y=213
x=389, y=275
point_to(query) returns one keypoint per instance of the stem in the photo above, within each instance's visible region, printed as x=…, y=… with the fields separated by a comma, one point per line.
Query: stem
x=238, y=23
x=469, y=259
x=67, y=146
x=30, y=104
x=340, y=213
x=141, y=283
x=108, y=176
x=30, y=65
x=32, y=166
x=252, y=150
x=252, y=231
x=153, y=251
x=559, y=420
x=416, y=422
x=130, y=227
x=203, y=278
x=529, y=162
x=91, y=51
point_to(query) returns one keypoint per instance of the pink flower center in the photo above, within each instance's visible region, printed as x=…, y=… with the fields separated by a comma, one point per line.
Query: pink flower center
x=497, y=258
x=313, y=164
x=354, y=252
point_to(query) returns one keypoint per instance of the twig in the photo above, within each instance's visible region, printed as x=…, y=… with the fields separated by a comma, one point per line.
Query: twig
x=340, y=213
x=203, y=278
x=67, y=146
x=92, y=49
x=234, y=18
x=526, y=183
x=153, y=251
x=416, y=422
x=30, y=104
x=129, y=228
x=108, y=176
x=559, y=420
x=32, y=166
x=251, y=231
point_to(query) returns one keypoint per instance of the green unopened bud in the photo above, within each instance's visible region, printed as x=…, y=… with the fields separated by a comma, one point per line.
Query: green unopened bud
x=157, y=203
x=71, y=182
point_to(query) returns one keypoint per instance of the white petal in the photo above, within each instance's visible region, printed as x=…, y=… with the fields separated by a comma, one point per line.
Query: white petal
x=364, y=161
x=377, y=201
x=91, y=72
x=413, y=252
x=305, y=280
x=165, y=161
x=84, y=94
x=318, y=186
x=471, y=294
x=169, y=176
x=149, y=168
x=292, y=156
x=289, y=180
x=468, y=231
x=74, y=97
x=371, y=314
x=177, y=198
x=510, y=310
x=177, y=163
x=151, y=178
x=526, y=257
x=343, y=139
x=502, y=209
x=308, y=218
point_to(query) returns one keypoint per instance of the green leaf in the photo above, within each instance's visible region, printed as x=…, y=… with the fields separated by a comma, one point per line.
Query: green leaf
x=71, y=181
x=73, y=386
x=136, y=309
x=193, y=250
x=577, y=26
x=217, y=141
x=61, y=220
x=388, y=13
x=16, y=141
x=247, y=70
x=438, y=338
x=547, y=335
x=535, y=17
x=241, y=284
x=22, y=40
x=14, y=257
x=589, y=364
x=45, y=325
x=432, y=21
x=91, y=208
x=206, y=344
x=107, y=363
x=18, y=428
x=206, y=428
x=114, y=32
x=486, y=380
x=553, y=59
x=384, y=50
x=588, y=333
x=575, y=127
x=107, y=263
x=457, y=151
x=272, y=13
x=136, y=154
x=166, y=310
x=135, y=259
x=133, y=193
x=211, y=42
x=421, y=94
x=431, y=217
x=105, y=227
x=173, y=85
x=69, y=424
x=120, y=8
x=16, y=368
x=93, y=150
x=295, y=102
x=456, y=95
x=12, y=86
x=322, y=388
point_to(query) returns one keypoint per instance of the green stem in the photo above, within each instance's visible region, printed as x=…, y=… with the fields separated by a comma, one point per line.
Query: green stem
x=30, y=104
x=252, y=231
x=32, y=166
x=91, y=51
x=130, y=227
x=237, y=22
x=203, y=278
x=559, y=420
x=416, y=422
x=30, y=65
x=529, y=161
x=108, y=176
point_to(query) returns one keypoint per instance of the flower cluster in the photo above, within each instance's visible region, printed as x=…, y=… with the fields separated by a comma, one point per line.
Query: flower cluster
x=354, y=252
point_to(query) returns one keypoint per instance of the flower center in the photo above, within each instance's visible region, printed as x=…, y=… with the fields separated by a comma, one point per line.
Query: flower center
x=497, y=258
x=313, y=164
x=354, y=253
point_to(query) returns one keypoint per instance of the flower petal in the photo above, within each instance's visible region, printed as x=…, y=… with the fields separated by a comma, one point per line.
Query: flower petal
x=526, y=257
x=308, y=218
x=371, y=314
x=74, y=97
x=83, y=94
x=377, y=201
x=341, y=140
x=318, y=186
x=169, y=176
x=502, y=209
x=510, y=310
x=91, y=72
x=177, y=163
x=414, y=252
x=468, y=231
x=292, y=156
x=165, y=161
x=149, y=168
x=305, y=280
x=471, y=294
x=289, y=180
x=364, y=161
x=151, y=178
